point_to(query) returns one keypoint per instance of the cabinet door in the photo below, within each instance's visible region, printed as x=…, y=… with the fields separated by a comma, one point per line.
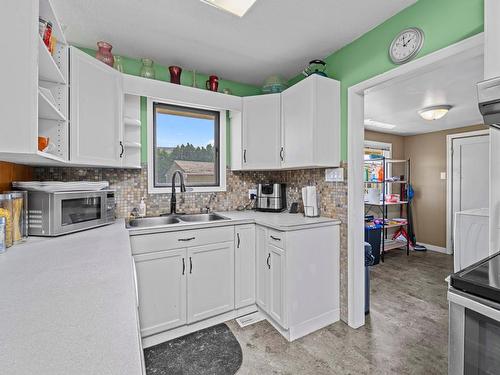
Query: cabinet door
x=261, y=131
x=96, y=98
x=161, y=280
x=297, y=118
x=210, y=280
x=262, y=268
x=277, y=284
x=244, y=265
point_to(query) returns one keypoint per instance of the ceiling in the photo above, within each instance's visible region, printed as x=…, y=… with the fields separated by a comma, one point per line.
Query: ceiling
x=453, y=83
x=274, y=37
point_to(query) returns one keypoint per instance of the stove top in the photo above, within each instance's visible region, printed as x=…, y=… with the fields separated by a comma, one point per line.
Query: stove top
x=481, y=279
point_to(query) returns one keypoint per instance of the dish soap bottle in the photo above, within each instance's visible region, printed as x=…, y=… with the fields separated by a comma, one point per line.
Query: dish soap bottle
x=142, y=208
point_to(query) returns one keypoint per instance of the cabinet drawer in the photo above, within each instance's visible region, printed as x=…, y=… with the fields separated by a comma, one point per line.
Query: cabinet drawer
x=276, y=238
x=148, y=243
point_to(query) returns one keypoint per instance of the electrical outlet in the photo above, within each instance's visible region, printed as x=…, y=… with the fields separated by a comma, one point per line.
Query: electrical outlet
x=252, y=193
x=334, y=175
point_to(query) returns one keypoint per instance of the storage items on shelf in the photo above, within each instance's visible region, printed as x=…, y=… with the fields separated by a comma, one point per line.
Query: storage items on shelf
x=212, y=83
x=379, y=196
x=104, y=53
x=3, y=246
x=274, y=84
x=147, y=69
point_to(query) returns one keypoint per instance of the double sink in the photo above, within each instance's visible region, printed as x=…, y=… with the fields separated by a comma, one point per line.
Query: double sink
x=148, y=222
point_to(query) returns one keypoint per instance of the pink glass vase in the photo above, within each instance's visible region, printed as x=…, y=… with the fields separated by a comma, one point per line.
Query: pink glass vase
x=104, y=53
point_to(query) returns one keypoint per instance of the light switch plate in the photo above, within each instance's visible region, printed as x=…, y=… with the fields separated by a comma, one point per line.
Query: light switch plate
x=334, y=175
x=443, y=175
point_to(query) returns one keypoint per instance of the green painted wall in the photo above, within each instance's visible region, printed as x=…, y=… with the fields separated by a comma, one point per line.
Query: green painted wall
x=444, y=22
x=133, y=67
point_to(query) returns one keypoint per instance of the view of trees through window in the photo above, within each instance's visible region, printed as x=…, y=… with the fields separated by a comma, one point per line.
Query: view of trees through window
x=185, y=139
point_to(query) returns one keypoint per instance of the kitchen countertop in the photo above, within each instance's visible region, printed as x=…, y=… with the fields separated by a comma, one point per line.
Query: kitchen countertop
x=282, y=221
x=68, y=305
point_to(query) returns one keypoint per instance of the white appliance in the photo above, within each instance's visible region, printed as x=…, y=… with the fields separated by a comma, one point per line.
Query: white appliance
x=471, y=238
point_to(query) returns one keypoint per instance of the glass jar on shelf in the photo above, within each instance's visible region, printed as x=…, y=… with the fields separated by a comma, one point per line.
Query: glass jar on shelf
x=147, y=70
x=6, y=211
x=118, y=65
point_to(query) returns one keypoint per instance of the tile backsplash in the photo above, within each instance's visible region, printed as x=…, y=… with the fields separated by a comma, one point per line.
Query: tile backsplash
x=131, y=185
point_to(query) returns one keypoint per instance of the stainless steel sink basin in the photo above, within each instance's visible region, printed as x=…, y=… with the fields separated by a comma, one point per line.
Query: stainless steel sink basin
x=201, y=218
x=148, y=222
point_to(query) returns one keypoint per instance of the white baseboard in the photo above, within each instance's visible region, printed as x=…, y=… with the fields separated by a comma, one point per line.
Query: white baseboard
x=437, y=249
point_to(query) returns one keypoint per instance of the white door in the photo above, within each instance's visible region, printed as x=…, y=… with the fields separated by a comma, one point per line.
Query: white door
x=470, y=168
x=261, y=131
x=96, y=98
x=210, y=280
x=161, y=281
x=244, y=265
x=277, y=284
x=262, y=269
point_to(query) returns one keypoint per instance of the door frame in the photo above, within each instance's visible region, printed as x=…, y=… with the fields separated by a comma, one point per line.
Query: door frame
x=463, y=50
x=449, y=181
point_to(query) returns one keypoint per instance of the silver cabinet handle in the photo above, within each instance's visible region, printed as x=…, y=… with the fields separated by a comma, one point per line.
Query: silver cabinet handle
x=183, y=266
x=186, y=239
x=238, y=245
x=190, y=265
x=276, y=238
x=268, y=259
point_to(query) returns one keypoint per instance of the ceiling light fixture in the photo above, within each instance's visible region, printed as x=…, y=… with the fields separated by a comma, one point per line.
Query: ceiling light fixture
x=435, y=112
x=378, y=124
x=236, y=7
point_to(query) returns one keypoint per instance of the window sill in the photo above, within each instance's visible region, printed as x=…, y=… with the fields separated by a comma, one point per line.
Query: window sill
x=199, y=189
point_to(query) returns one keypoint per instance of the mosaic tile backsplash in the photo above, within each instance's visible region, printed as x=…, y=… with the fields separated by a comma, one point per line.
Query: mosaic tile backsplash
x=131, y=186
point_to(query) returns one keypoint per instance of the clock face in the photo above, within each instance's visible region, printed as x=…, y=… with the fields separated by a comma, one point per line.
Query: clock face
x=406, y=45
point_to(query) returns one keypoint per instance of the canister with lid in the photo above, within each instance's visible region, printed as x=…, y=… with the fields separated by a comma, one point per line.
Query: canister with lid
x=19, y=214
x=6, y=212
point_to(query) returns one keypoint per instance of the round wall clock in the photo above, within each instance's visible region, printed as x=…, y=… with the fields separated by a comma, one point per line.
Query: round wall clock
x=406, y=45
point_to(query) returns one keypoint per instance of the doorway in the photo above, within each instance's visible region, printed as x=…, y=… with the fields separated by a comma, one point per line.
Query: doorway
x=460, y=51
x=468, y=172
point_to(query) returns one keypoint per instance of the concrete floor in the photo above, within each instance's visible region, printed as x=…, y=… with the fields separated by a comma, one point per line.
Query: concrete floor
x=405, y=333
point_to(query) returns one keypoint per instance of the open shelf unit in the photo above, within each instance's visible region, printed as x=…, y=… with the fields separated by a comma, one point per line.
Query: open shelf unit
x=383, y=204
x=53, y=119
x=132, y=131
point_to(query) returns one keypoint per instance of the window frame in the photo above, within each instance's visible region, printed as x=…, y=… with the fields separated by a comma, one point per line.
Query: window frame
x=221, y=154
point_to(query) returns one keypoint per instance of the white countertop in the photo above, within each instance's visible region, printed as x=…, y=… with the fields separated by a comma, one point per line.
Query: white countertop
x=282, y=221
x=68, y=305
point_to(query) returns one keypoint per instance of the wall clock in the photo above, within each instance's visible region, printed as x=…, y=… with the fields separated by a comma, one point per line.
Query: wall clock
x=406, y=45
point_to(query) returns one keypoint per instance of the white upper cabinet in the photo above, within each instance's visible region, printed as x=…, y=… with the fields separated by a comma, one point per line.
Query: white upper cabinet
x=96, y=121
x=261, y=132
x=311, y=123
x=299, y=128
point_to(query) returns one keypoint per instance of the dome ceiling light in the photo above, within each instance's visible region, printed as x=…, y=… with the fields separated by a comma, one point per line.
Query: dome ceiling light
x=435, y=112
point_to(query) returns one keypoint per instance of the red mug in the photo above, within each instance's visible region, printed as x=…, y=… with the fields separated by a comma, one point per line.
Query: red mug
x=212, y=83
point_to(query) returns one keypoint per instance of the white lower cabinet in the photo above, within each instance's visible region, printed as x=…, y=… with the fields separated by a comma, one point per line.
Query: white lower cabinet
x=210, y=281
x=298, y=278
x=162, y=281
x=186, y=279
x=244, y=265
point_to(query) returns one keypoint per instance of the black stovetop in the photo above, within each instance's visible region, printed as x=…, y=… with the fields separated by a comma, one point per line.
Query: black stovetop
x=481, y=279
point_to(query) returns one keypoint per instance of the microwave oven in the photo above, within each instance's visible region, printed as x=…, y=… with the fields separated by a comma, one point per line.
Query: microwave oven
x=55, y=213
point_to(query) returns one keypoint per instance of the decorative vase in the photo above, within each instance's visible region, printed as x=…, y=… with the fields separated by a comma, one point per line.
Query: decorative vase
x=212, y=83
x=194, y=79
x=118, y=65
x=147, y=70
x=175, y=74
x=104, y=53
